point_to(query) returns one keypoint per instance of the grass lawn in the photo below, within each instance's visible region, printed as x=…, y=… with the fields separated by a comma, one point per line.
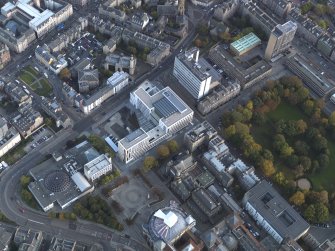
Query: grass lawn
x=323, y=179
x=31, y=70
x=43, y=88
x=27, y=78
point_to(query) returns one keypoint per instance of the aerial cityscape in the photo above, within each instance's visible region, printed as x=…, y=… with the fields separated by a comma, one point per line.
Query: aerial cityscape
x=167, y=125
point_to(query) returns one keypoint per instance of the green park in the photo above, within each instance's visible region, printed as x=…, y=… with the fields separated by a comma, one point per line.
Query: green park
x=286, y=136
x=38, y=83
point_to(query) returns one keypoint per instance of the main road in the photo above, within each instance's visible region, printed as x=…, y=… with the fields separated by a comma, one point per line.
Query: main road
x=12, y=206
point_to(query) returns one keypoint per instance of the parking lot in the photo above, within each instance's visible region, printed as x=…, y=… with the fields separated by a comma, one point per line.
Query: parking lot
x=39, y=137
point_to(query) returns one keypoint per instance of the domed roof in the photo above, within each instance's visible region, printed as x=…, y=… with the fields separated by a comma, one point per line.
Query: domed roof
x=57, y=181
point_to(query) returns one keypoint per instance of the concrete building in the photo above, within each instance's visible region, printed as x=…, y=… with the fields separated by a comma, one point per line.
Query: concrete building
x=196, y=75
x=273, y=213
x=246, y=76
x=110, y=46
x=54, y=110
x=310, y=75
x=280, y=7
x=60, y=180
x=245, y=44
x=280, y=39
x=200, y=134
x=41, y=18
x=182, y=166
x=98, y=167
x=117, y=62
x=79, y=3
x=4, y=55
x=88, y=80
x=118, y=81
x=164, y=112
x=9, y=137
x=166, y=226
x=27, y=239
x=69, y=35
x=58, y=244
x=226, y=10
x=108, y=10
x=17, y=94
x=169, y=8
x=114, y=84
x=219, y=96
x=44, y=56
x=26, y=120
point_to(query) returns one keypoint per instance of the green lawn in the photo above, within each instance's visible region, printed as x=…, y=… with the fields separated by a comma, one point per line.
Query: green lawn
x=324, y=179
x=31, y=70
x=27, y=78
x=43, y=88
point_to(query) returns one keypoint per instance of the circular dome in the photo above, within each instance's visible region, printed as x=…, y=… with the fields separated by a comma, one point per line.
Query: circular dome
x=57, y=181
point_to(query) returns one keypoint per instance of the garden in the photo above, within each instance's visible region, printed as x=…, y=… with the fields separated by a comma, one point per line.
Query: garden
x=36, y=81
x=285, y=135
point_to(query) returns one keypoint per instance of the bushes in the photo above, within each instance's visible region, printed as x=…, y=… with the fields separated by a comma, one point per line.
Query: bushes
x=99, y=144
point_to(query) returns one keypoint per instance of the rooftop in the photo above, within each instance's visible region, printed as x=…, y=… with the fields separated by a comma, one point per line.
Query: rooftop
x=246, y=42
x=276, y=211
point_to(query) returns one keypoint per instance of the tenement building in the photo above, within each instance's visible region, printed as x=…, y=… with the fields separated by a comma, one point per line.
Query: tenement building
x=4, y=55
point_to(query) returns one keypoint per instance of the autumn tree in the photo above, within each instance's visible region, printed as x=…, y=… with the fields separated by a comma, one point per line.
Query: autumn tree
x=173, y=146
x=267, y=167
x=65, y=74
x=149, y=163
x=298, y=198
x=163, y=151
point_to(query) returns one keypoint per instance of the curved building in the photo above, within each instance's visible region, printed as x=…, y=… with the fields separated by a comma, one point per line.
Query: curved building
x=167, y=225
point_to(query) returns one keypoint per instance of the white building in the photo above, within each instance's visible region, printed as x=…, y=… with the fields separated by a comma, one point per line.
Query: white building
x=196, y=75
x=118, y=81
x=166, y=113
x=98, y=167
x=9, y=137
x=273, y=213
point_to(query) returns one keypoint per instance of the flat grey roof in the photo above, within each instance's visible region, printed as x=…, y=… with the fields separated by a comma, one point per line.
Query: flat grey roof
x=276, y=211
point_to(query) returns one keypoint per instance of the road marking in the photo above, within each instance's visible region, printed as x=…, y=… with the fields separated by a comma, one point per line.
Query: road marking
x=36, y=222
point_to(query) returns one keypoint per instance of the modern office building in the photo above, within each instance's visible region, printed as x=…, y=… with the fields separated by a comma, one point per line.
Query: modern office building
x=280, y=39
x=272, y=212
x=195, y=74
x=98, y=167
x=245, y=44
x=311, y=76
x=164, y=113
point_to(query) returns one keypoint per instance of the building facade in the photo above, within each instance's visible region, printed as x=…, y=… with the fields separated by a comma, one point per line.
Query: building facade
x=280, y=39
x=4, y=55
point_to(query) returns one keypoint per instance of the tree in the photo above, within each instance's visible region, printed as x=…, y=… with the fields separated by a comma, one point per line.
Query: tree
x=323, y=160
x=267, y=167
x=309, y=213
x=298, y=198
x=306, y=7
x=319, y=143
x=321, y=212
x=198, y=43
x=308, y=107
x=267, y=154
x=306, y=163
x=225, y=36
x=323, y=24
x=173, y=146
x=25, y=180
x=163, y=151
x=280, y=179
x=65, y=74
x=331, y=119
x=301, y=147
x=300, y=126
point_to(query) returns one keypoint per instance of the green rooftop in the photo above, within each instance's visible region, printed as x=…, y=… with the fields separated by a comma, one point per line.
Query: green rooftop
x=245, y=43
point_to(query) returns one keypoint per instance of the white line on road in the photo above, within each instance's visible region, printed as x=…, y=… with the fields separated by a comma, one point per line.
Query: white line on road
x=36, y=222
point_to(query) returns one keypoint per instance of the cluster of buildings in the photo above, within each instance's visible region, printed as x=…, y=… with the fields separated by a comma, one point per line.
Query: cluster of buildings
x=55, y=111
x=87, y=104
x=26, y=239
x=4, y=55
x=158, y=49
x=163, y=113
x=64, y=178
x=9, y=137
x=23, y=21
x=46, y=58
